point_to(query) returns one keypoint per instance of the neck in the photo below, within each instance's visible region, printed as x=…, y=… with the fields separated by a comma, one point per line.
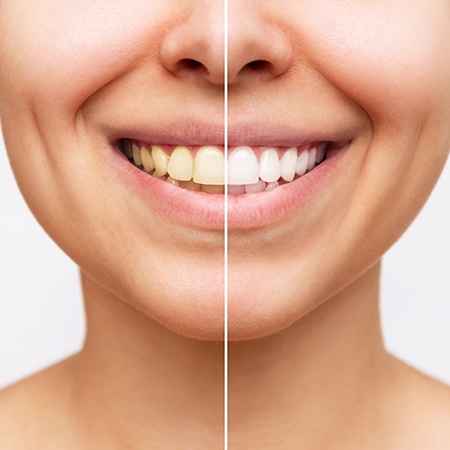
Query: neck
x=307, y=383
x=135, y=378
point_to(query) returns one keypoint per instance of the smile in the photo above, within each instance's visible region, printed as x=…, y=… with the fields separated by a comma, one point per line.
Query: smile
x=251, y=169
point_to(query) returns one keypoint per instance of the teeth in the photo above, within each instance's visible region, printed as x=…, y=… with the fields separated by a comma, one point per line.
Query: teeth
x=205, y=171
x=271, y=185
x=242, y=166
x=181, y=164
x=147, y=160
x=213, y=188
x=311, y=159
x=302, y=163
x=128, y=148
x=255, y=187
x=172, y=181
x=160, y=159
x=190, y=185
x=136, y=155
x=269, y=165
x=209, y=166
x=236, y=189
x=320, y=154
x=288, y=164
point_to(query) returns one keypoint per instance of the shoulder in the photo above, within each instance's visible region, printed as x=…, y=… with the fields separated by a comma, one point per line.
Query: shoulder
x=32, y=411
x=421, y=412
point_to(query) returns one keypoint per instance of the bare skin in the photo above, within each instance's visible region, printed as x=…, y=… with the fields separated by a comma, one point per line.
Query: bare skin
x=307, y=364
x=326, y=382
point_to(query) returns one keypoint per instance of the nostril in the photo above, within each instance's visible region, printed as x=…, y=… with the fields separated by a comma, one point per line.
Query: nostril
x=190, y=64
x=258, y=65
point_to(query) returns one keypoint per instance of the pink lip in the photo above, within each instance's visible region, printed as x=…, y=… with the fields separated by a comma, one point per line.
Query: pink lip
x=245, y=212
x=198, y=133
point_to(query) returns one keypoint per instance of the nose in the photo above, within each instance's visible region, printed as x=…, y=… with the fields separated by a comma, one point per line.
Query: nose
x=256, y=47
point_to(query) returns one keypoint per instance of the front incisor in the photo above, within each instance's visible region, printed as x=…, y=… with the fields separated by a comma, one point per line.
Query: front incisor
x=209, y=166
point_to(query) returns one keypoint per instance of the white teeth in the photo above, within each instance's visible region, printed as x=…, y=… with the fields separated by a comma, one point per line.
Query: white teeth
x=320, y=154
x=243, y=166
x=269, y=165
x=255, y=187
x=311, y=159
x=236, y=189
x=209, y=166
x=288, y=164
x=271, y=185
x=181, y=164
x=302, y=163
x=205, y=171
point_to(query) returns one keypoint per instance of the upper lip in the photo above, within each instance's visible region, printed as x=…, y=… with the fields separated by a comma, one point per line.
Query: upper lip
x=197, y=133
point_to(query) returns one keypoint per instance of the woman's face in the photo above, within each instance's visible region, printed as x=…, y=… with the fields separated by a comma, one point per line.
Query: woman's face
x=80, y=80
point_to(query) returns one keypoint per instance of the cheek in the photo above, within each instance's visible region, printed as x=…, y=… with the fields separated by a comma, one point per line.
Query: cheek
x=59, y=53
x=389, y=59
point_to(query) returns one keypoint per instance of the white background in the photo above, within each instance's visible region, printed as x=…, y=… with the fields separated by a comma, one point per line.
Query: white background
x=41, y=314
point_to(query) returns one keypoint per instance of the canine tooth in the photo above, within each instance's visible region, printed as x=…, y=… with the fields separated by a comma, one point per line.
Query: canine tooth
x=147, y=160
x=243, y=166
x=172, y=181
x=320, y=154
x=255, y=187
x=136, y=155
x=212, y=188
x=311, y=158
x=236, y=189
x=190, y=185
x=160, y=159
x=271, y=185
x=269, y=165
x=209, y=166
x=127, y=148
x=302, y=163
x=288, y=164
x=181, y=163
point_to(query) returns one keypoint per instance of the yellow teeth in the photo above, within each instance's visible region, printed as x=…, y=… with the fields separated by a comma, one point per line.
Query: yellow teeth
x=128, y=148
x=147, y=160
x=190, y=185
x=181, y=164
x=160, y=159
x=209, y=166
x=136, y=155
x=213, y=189
x=172, y=181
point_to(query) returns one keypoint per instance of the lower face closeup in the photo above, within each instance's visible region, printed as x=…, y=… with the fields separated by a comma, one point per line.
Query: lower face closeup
x=113, y=117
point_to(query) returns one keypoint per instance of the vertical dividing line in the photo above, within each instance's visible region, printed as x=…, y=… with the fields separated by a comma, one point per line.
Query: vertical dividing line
x=225, y=254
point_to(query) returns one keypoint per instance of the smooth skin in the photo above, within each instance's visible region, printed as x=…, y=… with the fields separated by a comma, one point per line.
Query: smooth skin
x=307, y=363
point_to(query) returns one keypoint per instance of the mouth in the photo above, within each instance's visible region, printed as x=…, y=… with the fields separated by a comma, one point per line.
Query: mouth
x=250, y=169
x=180, y=177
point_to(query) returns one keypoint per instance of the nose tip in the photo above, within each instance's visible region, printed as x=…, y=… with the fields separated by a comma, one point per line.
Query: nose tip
x=195, y=48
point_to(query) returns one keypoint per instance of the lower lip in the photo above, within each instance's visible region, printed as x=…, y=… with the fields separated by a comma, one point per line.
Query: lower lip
x=245, y=212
